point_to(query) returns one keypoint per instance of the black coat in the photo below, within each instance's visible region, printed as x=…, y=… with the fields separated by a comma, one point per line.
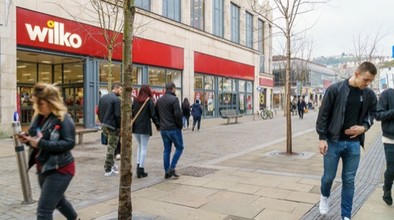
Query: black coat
x=142, y=124
x=386, y=112
x=332, y=111
x=109, y=111
x=169, y=112
x=52, y=154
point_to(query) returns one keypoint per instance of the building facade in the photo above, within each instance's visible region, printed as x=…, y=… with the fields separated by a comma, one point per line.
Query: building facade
x=217, y=51
x=307, y=79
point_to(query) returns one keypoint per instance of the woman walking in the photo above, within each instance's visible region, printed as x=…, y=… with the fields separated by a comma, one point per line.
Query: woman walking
x=185, y=113
x=51, y=137
x=196, y=113
x=143, y=113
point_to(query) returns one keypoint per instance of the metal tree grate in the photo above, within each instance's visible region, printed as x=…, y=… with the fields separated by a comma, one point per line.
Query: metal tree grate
x=196, y=171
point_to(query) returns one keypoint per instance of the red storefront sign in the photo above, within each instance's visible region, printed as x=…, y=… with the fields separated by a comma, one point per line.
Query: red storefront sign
x=58, y=34
x=204, y=63
x=266, y=82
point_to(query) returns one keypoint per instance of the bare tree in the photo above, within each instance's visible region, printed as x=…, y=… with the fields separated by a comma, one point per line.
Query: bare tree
x=289, y=12
x=365, y=46
x=107, y=15
x=125, y=208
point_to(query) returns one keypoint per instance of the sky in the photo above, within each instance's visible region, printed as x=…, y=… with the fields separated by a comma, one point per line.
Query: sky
x=339, y=22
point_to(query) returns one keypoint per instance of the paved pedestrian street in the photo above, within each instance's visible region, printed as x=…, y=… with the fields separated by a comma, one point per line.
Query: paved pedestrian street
x=236, y=171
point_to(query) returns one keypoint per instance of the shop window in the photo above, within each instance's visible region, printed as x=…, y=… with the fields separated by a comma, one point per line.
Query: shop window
x=209, y=82
x=249, y=86
x=26, y=72
x=174, y=76
x=198, y=81
x=104, y=71
x=136, y=76
x=209, y=104
x=57, y=74
x=45, y=73
x=73, y=73
x=241, y=86
x=226, y=84
x=157, y=76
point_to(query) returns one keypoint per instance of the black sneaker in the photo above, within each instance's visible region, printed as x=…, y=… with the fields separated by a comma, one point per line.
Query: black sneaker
x=387, y=197
x=173, y=173
x=167, y=175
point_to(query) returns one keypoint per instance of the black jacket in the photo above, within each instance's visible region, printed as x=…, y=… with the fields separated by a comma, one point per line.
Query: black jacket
x=386, y=112
x=142, y=124
x=52, y=154
x=332, y=111
x=169, y=112
x=196, y=110
x=109, y=111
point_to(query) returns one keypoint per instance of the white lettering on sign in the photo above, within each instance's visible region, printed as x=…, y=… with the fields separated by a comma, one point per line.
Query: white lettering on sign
x=54, y=34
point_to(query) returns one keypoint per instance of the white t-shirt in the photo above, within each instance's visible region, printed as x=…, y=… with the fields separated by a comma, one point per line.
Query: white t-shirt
x=387, y=140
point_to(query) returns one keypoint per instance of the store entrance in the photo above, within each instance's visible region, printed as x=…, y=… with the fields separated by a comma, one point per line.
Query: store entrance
x=66, y=72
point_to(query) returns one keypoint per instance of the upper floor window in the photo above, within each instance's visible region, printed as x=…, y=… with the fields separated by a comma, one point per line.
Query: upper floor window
x=172, y=9
x=197, y=14
x=218, y=18
x=261, y=36
x=144, y=4
x=249, y=30
x=234, y=23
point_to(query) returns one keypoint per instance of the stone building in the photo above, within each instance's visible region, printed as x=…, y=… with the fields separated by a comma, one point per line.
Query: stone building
x=217, y=51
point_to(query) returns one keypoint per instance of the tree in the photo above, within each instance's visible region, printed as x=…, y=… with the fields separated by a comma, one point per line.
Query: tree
x=125, y=207
x=107, y=14
x=288, y=12
x=365, y=46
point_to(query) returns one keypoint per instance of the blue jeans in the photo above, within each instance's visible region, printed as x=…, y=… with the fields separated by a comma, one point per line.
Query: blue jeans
x=169, y=137
x=142, y=150
x=349, y=152
x=185, y=121
x=389, y=173
x=53, y=186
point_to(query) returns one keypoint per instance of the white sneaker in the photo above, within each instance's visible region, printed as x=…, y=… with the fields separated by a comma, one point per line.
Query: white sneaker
x=324, y=206
x=346, y=218
x=110, y=173
x=115, y=169
x=117, y=157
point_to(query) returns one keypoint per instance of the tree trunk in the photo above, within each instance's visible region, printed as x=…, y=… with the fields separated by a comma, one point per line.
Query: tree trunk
x=289, y=143
x=125, y=208
x=109, y=77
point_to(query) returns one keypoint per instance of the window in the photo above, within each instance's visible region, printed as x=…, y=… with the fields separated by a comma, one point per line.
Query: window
x=218, y=18
x=234, y=23
x=172, y=9
x=197, y=14
x=144, y=4
x=261, y=36
x=249, y=30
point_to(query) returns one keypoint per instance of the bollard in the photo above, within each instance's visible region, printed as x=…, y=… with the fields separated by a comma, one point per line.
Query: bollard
x=22, y=164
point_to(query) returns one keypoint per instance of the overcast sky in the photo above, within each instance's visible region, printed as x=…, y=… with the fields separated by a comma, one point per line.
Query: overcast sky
x=340, y=21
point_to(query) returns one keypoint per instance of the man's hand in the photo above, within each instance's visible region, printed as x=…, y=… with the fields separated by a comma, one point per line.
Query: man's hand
x=355, y=131
x=323, y=147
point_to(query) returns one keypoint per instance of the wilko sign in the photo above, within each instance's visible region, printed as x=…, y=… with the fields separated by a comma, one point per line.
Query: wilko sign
x=54, y=34
x=42, y=31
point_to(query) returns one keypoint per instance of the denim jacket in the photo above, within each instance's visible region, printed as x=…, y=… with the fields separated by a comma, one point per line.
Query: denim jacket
x=52, y=154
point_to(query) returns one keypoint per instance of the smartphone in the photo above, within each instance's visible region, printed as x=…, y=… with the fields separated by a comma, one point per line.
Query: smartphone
x=22, y=135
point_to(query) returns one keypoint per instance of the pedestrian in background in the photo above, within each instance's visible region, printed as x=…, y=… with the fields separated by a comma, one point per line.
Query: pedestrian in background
x=196, y=113
x=185, y=113
x=346, y=113
x=301, y=105
x=386, y=115
x=170, y=121
x=143, y=111
x=109, y=116
x=51, y=138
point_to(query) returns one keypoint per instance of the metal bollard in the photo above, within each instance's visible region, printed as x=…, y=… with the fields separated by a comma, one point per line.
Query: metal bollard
x=22, y=164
